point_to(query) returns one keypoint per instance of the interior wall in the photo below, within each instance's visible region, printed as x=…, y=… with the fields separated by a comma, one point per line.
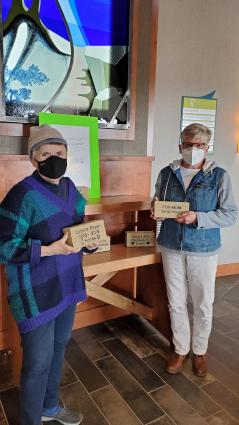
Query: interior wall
x=198, y=52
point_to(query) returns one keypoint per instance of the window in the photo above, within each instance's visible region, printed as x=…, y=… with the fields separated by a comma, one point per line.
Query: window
x=69, y=56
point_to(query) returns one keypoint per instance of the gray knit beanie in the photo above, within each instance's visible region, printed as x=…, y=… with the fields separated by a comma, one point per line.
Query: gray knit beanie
x=43, y=135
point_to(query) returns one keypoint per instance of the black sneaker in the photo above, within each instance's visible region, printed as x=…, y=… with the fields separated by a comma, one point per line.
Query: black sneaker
x=65, y=417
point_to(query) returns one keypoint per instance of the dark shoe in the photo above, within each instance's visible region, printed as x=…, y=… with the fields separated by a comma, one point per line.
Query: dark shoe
x=200, y=364
x=175, y=363
x=65, y=417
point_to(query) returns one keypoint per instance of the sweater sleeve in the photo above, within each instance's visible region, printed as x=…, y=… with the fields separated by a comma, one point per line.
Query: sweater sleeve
x=15, y=245
x=227, y=212
x=80, y=207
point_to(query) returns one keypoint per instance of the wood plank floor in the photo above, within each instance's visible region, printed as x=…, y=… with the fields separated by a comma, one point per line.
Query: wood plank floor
x=114, y=373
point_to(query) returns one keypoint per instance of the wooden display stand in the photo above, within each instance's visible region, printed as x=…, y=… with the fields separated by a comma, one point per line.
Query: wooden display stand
x=117, y=281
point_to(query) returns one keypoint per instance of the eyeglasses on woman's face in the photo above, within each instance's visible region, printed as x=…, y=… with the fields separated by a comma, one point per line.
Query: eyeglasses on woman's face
x=199, y=145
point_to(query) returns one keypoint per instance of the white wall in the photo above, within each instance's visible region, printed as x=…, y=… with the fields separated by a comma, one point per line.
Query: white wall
x=198, y=51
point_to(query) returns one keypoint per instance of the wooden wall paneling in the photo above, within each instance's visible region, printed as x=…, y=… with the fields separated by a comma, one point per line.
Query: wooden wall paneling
x=125, y=175
x=146, y=222
x=116, y=224
x=13, y=168
x=15, y=128
x=120, y=176
x=227, y=269
x=110, y=204
x=9, y=335
x=122, y=281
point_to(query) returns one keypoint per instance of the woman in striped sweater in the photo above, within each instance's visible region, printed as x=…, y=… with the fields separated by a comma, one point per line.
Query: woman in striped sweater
x=45, y=276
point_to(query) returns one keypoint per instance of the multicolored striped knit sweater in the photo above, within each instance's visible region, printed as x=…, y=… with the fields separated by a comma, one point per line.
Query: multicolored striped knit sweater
x=40, y=288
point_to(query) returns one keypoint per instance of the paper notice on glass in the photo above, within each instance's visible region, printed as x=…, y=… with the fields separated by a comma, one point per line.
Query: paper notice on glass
x=78, y=158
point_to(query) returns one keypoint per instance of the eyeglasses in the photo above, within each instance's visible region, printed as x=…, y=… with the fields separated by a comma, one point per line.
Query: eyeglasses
x=187, y=145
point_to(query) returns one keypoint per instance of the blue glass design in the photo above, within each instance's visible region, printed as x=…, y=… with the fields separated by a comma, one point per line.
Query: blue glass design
x=28, y=3
x=51, y=17
x=72, y=58
x=100, y=22
x=106, y=22
x=6, y=4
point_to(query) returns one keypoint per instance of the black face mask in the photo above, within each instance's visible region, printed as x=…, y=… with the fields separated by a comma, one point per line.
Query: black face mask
x=53, y=167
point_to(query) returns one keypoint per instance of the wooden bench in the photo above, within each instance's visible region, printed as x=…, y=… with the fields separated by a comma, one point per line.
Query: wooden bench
x=105, y=265
x=145, y=297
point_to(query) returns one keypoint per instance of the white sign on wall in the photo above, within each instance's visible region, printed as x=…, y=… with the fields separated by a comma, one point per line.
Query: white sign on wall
x=200, y=110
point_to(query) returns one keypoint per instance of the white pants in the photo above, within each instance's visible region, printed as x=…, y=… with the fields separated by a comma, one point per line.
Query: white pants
x=194, y=274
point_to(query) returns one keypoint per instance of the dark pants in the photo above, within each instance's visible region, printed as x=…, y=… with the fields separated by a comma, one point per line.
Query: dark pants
x=43, y=356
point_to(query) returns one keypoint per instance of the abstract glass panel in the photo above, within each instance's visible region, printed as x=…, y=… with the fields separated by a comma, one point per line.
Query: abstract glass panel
x=66, y=56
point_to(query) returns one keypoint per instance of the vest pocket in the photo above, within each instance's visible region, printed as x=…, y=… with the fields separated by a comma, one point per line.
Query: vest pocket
x=205, y=197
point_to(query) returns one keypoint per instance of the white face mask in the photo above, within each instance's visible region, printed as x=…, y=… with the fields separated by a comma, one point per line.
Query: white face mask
x=193, y=156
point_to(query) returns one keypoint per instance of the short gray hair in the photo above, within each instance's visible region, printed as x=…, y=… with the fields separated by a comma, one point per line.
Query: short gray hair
x=195, y=129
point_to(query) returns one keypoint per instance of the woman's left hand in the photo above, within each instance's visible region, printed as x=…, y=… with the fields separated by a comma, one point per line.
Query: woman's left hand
x=189, y=217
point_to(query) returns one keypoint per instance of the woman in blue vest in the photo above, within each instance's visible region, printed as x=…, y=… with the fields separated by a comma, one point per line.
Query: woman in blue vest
x=191, y=242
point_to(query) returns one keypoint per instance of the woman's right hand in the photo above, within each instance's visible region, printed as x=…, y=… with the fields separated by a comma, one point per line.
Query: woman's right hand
x=59, y=247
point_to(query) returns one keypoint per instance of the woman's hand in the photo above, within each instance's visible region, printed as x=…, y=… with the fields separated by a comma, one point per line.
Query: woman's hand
x=59, y=247
x=189, y=217
x=91, y=247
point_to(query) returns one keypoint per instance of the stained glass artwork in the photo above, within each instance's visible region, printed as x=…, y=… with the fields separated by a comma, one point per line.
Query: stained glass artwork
x=66, y=56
